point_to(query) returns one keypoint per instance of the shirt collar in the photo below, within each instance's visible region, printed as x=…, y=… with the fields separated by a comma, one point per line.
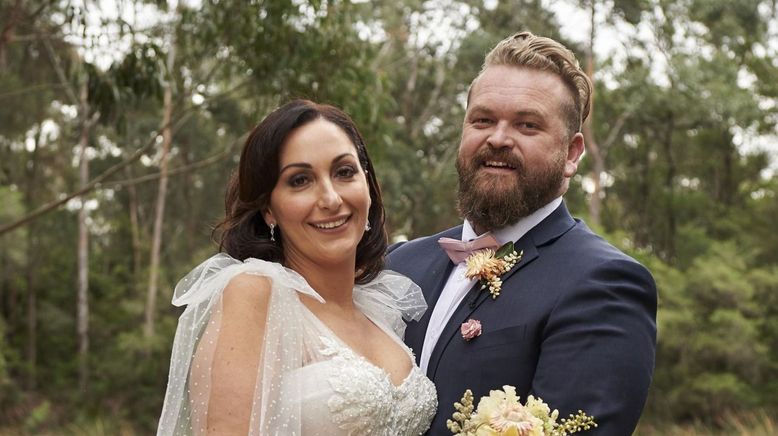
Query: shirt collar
x=518, y=229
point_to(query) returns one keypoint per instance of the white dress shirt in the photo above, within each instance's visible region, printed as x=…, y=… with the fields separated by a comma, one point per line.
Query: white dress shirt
x=458, y=285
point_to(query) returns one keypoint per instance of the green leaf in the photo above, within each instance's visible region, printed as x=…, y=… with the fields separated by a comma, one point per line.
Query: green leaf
x=505, y=250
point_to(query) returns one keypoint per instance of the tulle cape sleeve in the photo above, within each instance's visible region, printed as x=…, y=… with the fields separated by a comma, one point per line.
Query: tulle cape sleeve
x=186, y=401
x=391, y=298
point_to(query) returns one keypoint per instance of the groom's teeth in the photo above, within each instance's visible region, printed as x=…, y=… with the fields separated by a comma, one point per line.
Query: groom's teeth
x=331, y=225
x=492, y=163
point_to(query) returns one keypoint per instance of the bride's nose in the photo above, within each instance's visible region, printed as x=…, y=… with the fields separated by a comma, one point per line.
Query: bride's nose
x=329, y=198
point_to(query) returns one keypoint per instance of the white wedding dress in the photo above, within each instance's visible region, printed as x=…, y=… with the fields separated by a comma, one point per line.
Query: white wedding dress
x=309, y=382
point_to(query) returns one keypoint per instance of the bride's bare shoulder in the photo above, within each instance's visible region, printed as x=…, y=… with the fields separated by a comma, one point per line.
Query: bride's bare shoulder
x=247, y=292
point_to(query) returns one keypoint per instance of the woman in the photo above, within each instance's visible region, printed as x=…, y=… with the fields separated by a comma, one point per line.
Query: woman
x=296, y=330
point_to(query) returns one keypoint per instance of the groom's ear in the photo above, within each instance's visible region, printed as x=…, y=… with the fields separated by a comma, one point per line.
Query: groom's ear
x=575, y=149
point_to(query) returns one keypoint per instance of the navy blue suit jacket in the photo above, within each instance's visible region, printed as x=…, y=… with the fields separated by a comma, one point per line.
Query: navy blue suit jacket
x=575, y=324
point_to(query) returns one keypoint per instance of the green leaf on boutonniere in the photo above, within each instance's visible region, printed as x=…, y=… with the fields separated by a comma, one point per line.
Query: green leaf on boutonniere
x=505, y=250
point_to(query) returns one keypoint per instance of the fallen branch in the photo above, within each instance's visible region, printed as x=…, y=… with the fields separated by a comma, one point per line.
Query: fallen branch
x=172, y=172
x=97, y=181
x=94, y=183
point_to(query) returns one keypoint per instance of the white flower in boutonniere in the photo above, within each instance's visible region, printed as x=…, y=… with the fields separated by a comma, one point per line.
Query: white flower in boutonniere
x=488, y=266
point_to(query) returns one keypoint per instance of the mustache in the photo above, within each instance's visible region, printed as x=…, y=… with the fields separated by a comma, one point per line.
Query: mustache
x=502, y=154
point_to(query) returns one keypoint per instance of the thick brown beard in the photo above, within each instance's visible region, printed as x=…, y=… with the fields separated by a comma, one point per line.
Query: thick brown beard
x=488, y=208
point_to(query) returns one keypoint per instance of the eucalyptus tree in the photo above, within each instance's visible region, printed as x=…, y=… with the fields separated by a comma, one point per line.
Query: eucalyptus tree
x=690, y=191
x=677, y=159
x=84, y=95
x=429, y=53
x=162, y=187
x=28, y=150
x=603, y=14
x=416, y=63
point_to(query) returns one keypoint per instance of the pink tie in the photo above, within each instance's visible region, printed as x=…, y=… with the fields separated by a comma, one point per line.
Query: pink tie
x=459, y=250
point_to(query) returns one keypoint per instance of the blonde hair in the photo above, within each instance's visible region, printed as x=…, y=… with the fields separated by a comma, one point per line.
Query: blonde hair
x=539, y=53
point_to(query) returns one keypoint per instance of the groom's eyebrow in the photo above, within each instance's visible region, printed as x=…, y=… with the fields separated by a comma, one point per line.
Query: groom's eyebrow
x=479, y=109
x=483, y=110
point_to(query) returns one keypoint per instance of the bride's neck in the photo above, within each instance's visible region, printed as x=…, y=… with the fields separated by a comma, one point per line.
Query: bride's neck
x=335, y=283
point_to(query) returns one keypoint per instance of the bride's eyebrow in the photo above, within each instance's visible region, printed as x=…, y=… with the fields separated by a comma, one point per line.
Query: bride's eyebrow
x=342, y=157
x=296, y=165
x=308, y=166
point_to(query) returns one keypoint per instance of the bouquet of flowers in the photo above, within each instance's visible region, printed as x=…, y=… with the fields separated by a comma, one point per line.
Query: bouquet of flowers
x=502, y=414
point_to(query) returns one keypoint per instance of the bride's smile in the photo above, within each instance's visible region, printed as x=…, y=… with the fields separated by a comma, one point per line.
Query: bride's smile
x=331, y=225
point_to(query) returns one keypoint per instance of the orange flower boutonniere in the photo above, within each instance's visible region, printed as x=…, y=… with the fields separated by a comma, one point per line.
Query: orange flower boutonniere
x=488, y=266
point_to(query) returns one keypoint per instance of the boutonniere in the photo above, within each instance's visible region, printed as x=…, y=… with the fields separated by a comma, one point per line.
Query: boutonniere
x=502, y=414
x=488, y=266
x=470, y=329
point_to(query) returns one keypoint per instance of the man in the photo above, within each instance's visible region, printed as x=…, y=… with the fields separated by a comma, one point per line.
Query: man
x=574, y=321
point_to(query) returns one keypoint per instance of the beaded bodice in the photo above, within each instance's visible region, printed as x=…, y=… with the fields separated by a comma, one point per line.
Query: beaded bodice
x=348, y=395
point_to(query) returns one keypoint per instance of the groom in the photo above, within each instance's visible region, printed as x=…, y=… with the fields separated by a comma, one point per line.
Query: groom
x=574, y=322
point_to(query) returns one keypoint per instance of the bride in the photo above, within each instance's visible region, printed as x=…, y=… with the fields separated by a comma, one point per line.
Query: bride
x=295, y=329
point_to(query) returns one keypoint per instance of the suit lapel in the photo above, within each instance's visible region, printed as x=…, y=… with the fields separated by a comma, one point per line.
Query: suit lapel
x=474, y=298
x=548, y=230
x=439, y=268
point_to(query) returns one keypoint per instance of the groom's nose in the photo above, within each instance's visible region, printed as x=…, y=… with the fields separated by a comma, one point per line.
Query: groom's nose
x=501, y=136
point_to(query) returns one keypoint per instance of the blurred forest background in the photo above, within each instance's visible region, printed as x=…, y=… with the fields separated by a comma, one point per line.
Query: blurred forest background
x=121, y=121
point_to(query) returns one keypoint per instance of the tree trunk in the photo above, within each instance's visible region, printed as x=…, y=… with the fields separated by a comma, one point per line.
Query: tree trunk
x=137, y=259
x=598, y=159
x=667, y=143
x=82, y=299
x=31, y=351
x=159, y=211
x=6, y=288
x=190, y=227
x=31, y=348
x=729, y=187
x=12, y=17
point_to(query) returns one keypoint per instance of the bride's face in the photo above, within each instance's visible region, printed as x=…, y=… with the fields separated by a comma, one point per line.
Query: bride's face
x=321, y=200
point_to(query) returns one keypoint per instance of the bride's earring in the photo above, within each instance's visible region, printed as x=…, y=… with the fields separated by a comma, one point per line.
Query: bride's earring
x=367, y=226
x=272, y=232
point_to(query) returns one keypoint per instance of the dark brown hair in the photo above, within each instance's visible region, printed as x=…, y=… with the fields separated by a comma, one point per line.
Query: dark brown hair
x=243, y=233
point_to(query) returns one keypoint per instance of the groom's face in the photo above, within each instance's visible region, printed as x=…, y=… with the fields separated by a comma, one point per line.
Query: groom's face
x=515, y=155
